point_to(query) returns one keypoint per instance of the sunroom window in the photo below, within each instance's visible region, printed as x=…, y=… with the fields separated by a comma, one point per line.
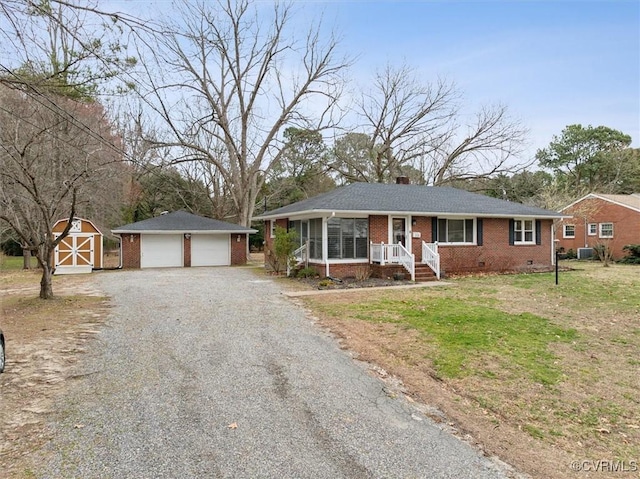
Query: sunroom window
x=455, y=230
x=348, y=238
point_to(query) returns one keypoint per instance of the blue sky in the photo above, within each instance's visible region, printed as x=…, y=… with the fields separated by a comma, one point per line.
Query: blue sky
x=553, y=63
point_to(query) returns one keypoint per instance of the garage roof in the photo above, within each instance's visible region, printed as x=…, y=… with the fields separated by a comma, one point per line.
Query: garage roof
x=181, y=222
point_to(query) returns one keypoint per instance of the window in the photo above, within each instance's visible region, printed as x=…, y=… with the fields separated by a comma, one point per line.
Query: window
x=315, y=238
x=273, y=228
x=606, y=230
x=569, y=231
x=523, y=232
x=592, y=229
x=347, y=238
x=455, y=230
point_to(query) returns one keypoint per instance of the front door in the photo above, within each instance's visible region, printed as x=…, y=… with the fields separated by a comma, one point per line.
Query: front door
x=399, y=231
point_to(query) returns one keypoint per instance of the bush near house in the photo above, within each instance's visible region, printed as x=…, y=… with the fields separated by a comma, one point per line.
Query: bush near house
x=633, y=254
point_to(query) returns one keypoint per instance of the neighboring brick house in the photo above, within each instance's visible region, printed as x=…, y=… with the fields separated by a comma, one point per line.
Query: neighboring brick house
x=598, y=219
x=182, y=239
x=421, y=230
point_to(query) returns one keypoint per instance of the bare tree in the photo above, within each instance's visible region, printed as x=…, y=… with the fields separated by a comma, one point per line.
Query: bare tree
x=241, y=77
x=51, y=167
x=412, y=125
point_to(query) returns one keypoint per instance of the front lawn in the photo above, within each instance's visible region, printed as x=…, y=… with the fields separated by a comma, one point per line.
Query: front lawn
x=540, y=374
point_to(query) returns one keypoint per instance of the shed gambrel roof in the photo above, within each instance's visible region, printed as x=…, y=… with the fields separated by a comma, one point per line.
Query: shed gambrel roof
x=378, y=198
x=181, y=222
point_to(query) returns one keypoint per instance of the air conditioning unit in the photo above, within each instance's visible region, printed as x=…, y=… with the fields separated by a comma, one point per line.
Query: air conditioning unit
x=585, y=253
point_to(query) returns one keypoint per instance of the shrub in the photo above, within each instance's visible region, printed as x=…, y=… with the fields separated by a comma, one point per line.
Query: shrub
x=633, y=254
x=604, y=253
x=363, y=273
x=308, y=272
x=280, y=254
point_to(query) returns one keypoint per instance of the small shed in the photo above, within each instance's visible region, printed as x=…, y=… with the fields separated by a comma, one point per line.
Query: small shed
x=81, y=250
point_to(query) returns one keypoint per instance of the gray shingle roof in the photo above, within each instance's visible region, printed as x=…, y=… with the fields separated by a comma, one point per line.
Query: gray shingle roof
x=182, y=221
x=414, y=199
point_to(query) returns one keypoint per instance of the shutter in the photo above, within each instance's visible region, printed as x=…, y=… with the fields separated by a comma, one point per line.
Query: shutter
x=434, y=229
x=479, y=231
x=511, y=232
x=538, y=232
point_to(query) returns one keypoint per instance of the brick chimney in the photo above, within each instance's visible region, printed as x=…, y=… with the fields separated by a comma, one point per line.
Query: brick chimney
x=402, y=180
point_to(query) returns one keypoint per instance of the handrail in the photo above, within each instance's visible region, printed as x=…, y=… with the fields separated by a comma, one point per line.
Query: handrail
x=393, y=254
x=298, y=257
x=431, y=257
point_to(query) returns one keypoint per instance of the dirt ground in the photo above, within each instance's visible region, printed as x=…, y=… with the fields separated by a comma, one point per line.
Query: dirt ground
x=44, y=339
x=490, y=414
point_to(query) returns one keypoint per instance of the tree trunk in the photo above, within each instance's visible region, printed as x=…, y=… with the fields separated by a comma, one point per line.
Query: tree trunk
x=26, y=259
x=46, y=290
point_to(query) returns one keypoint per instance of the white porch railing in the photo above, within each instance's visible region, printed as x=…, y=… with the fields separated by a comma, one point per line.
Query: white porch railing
x=431, y=257
x=393, y=254
x=299, y=256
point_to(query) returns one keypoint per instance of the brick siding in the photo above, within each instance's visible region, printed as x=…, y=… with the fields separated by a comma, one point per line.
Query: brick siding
x=131, y=251
x=626, y=226
x=494, y=255
x=239, y=249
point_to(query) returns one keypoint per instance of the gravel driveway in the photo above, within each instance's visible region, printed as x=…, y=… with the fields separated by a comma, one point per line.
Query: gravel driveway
x=212, y=372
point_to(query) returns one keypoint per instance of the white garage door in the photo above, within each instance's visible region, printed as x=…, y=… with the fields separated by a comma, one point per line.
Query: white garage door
x=210, y=250
x=161, y=251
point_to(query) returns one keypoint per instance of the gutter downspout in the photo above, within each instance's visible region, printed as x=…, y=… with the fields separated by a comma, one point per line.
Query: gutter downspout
x=120, y=258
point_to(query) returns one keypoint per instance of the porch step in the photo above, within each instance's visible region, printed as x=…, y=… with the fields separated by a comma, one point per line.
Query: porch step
x=424, y=273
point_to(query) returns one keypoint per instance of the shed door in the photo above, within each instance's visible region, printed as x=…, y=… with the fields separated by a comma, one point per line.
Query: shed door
x=75, y=250
x=210, y=250
x=161, y=251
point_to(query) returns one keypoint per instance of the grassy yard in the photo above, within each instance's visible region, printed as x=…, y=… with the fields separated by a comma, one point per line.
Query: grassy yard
x=11, y=263
x=558, y=365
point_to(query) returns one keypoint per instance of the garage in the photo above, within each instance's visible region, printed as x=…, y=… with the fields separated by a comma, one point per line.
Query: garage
x=161, y=251
x=210, y=250
x=182, y=239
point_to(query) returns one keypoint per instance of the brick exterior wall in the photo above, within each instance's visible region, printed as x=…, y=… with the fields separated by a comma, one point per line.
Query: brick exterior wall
x=186, y=251
x=239, y=249
x=130, y=251
x=379, y=229
x=494, y=255
x=626, y=226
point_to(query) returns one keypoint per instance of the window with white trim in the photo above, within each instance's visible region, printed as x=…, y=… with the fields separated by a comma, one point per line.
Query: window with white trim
x=273, y=228
x=606, y=230
x=523, y=232
x=569, y=231
x=592, y=229
x=348, y=238
x=456, y=230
